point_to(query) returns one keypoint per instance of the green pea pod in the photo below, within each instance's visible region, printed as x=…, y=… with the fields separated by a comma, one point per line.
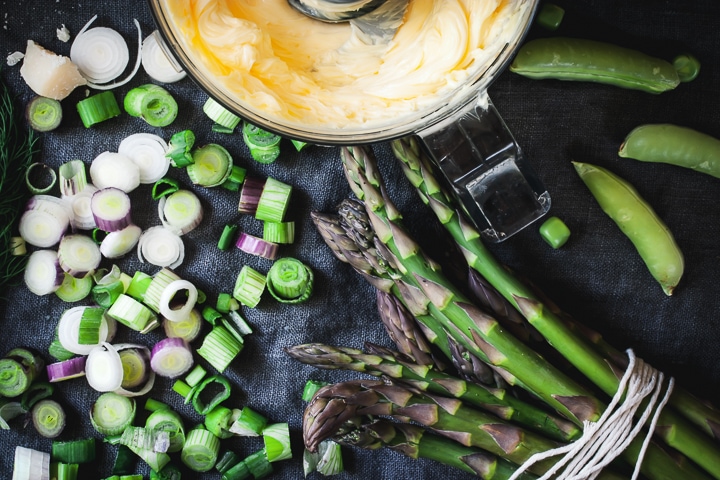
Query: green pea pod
x=636, y=219
x=578, y=59
x=681, y=146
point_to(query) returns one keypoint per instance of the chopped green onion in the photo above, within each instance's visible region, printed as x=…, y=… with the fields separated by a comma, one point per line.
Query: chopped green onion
x=112, y=413
x=299, y=144
x=141, y=438
x=227, y=239
x=74, y=289
x=252, y=188
x=196, y=375
x=156, y=460
x=219, y=348
x=231, y=186
x=277, y=442
x=89, y=328
x=237, y=174
x=226, y=461
x=179, y=148
x=106, y=294
x=139, y=285
x=211, y=384
x=29, y=463
x=17, y=246
x=182, y=389
x=258, y=464
x=164, y=186
x=168, y=472
x=44, y=114
x=217, y=128
x=8, y=411
x=187, y=329
x=201, y=450
x=249, y=286
x=57, y=351
x=330, y=461
x=218, y=420
x=279, y=232
x=152, y=103
x=131, y=313
x=554, y=232
x=15, y=378
x=220, y=115
x=239, y=323
x=48, y=418
x=290, y=281
x=40, y=178
x=64, y=471
x=98, y=108
x=98, y=235
x=311, y=388
x=249, y=423
x=74, y=451
x=125, y=460
x=211, y=315
x=37, y=391
x=264, y=146
x=169, y=421
x=157, y=286
x=152, y=405
x=274, y=201
x=135, y=367
x=226, y=302
x=212, y=165
x=239, y=471
x=73, y=177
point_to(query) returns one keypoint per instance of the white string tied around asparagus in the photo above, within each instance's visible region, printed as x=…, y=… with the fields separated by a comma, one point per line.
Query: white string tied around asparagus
x=604, y=440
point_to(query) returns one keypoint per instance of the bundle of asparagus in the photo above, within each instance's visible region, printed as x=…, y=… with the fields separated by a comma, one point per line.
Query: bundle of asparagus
x=455, y=322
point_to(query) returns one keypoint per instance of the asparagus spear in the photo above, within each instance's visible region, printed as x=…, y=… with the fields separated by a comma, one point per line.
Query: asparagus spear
x=482, y=335
x=677, y=432
x=384, y=362
x=414, y=442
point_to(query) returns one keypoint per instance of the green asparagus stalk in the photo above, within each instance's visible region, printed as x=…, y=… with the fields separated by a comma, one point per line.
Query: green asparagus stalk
x=676, y=431
x=415, y=442
x=384, y=362
x=483, y=336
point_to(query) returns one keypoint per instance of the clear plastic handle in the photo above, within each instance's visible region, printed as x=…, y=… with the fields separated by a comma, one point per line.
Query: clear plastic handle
x=486, y=170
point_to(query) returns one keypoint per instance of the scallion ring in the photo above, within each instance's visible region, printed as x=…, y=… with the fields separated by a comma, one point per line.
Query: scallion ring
x=171, y=357
x=44, y=114
x=112, y=169
x=147, y=151
x=48, y=418
x=43, y=274
x=40, y=178
x=157, y=62
x=180, y=211
x=45, y=221
x=79, y=255
x=161, y=246
x=170, y=293
x=112, y=413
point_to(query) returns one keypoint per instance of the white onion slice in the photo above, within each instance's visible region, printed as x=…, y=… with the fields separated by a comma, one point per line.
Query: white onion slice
x=45, y=221
x=156, y=62
x=181, y=211
x=103, y=368
x=112, y=169
x=82, y=217
x=30, y=464
x=169, y=293
x=69, y=326
x=117, y=244
x=162, y=247
x=147, y=151
x=43, y=274
x=111, y=209
x=171, y=357
x=79, y=255
x=102, y=55
x=149, y=381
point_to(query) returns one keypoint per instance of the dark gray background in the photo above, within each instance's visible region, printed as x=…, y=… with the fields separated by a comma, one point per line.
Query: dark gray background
x=597, y=276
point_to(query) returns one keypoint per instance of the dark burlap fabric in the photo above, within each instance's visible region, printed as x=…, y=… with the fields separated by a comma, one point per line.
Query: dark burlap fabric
x=598, y=276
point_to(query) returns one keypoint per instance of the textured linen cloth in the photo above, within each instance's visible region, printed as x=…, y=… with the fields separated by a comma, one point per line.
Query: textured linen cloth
x=597, y=276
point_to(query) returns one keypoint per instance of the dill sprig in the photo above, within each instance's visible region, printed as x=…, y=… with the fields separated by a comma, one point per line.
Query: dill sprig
x=18, y=144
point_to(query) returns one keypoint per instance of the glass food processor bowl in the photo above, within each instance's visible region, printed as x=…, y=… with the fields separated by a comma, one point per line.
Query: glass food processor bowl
x=459, y=127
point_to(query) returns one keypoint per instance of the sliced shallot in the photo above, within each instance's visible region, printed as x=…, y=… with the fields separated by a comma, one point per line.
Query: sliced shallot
x=257, y=246
x=79, y=255
x=45, y=221
x=117, y=244
x=147, y=151
x=111, y=209
x=112, y=169
x=69, y=330
x=157, y=62
x=103, y=368
x=161, y=246
x=43, y=274
x=180, y=211
x=171, y=357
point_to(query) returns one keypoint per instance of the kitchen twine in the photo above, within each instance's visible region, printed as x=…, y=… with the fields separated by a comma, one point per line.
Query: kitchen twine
x=604, y=440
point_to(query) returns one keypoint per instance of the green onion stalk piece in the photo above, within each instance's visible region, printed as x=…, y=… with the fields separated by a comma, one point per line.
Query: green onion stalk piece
x=274, y=201
x=18, y=370
x=299, y=144
x=326, y=461
x=226, y=302
x=196, y=375
x=152, y=405
x=311, y=388
x=98, y=108
x=264, y=146
x=163, y=187
x=57, y=351
x=139, y=285
x=220, y=115
x=183, y=389
x=249, y=286
x=168, y=420
x=226, y=461
x=143, y=438
x=249, y=423
x=211, y=167
x=112, y=413
x=40, y=178
x=157, y=285
x=277, y=442
x=227, y=239
x=74, y=289
x=106, y=294
x=89, y=327
x=64, y=471
x=238, y=471
x=290, y=281
x=8, y=411
x=279, y=232
x=179, y=148
x=48, y=418
x=37, y=391
x=210, y=386
x=211, y=315
x=201, y=450
x=73, y=177
x=74, y=451
x=258, y=464
x=155, y=460
x=44, y=114
x=218, y=421
x=131, y=313
x=152, y=103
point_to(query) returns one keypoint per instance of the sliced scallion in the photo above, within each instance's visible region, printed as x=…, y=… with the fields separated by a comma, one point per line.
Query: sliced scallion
x=135, y=364
x=227, y=239
x=258, y=464
x=89, y=327
x=164, y=186
x=139, y=285
x=152, y=103
x=225, y=303
x=252, y=188
x=171, y=357
x=239, y=471
x=48, y=418
x=30, y=464
x=74, y=289
x=152, y=404
x=219, y=348
x=290, y=281
x=330, y=461
x=181, y=211
x=226, y=461
x=158, y=283
x=239, y=323
x=142, y=438
x=187, y=329
x=211, y=167
x=311, y=388
x=44, y=114
x=40, y=178
x=161, y=246
x=299, y=144
x=218, y=420
x=211, y=315
x=249, y=423
x=74, y=451
x=66, y=369
x=257, y=246
x=201, y=450
x=179, y=148
x=73, y=177
x=279, y=232
x=112, y=413
x=78, y=255
x=64, y=471
x=277, y=442
x=15, y=378
x=168, y=420
x=155, y=460
x=196, y=375
x=98, y=108
x=220, y=115
x=106, y=294
x=37, y=391
x=130, y=312
x=249, y=286
x=264, y=146
x=215, y=386
x=274, y=201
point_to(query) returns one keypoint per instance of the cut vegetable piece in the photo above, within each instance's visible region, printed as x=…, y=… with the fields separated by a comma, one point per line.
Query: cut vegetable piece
x=220, y=114
x=179, y=148
x=82, y=217
x=258, y=464
x=167, y=420
x=188, y=329
x=100, y=53
x=164, y=186
x=274, y=201
x=15, y=378
x=74, y=451
x=73, y=178
x=112, y=413
x=226, y=461
x=264, y=146
x=219, y=348
x=106, y=293
x=131, y=312
x=228, y=237
x=111, y=169
x=290, y=281
x=162, y=247
x=139, y=285
x=74, y=289
x=311, y=388
x=212, y=165
x=330, y=460
x=152, y=103
x=298, y=144
x=43, y=274
x=147, y=151
x=39, y=390
x=125, y=460
x=157, y=62
x=249, y=423
x=145, y=439
x=157, y=285
x=239, y=323
x=239, y=471
x=119, y=243
x=217, y=421
x=30, y=464
x=45, y=221
x=249, y=286
x=171, y=357
x=279, y=232
x=111, y=209
x=201, y=450
x=40, y=178
x=257, y=246
x=49, y=75
x=277, y=442
x=66, y=370
x=98, y=108
x=43, y=114
x=180, y=211
x=554, y=232
x=136, y=369
x=78, y=255
x=168, y=296
x=69, y=328
x=48, y=418
x=156, y=460
x=250, y=194
x=103, y=368
x=217, y=387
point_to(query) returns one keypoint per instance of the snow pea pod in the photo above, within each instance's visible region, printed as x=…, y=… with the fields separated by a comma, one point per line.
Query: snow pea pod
x=638, y=221
x=667, y=143
x=578, y=59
